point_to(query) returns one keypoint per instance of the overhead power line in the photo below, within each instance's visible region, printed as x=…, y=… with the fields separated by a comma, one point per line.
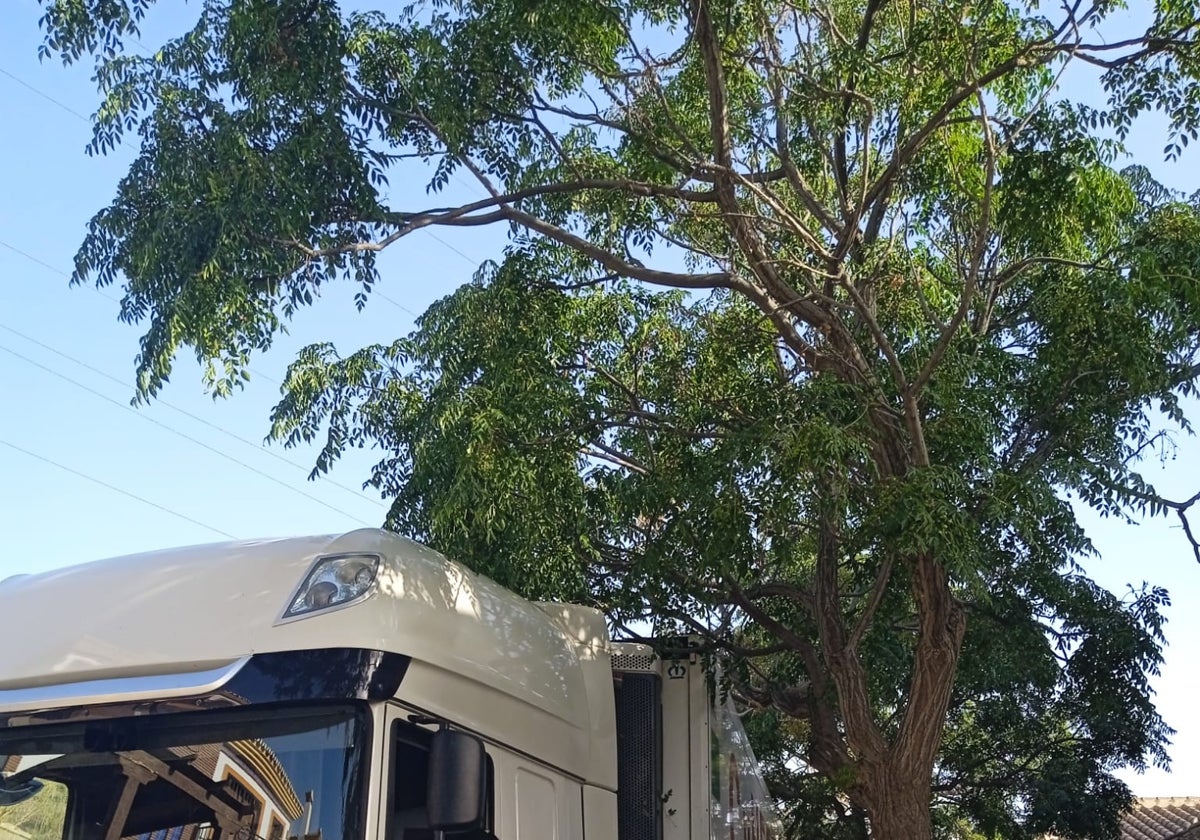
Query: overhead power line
x=68, y=109
x=108, y=297
x=44, y=95
x=228, y=433
x=115, y=489
x=167, y=403
x=170, y=405
x=219, y=453
x=34, y=259
x=473, y=262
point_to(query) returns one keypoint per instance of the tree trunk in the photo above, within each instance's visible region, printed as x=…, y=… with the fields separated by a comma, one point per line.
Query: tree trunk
x=895, y=785
x=897, y=807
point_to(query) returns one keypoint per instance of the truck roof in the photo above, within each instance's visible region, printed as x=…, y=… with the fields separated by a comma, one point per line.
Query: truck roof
x=195, y=609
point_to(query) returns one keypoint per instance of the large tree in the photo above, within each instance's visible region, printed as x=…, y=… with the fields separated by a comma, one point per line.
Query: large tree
x=817, y=317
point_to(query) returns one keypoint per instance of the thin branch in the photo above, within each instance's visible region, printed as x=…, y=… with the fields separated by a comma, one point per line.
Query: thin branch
x=971, y=281
x=878, y=589
x=904, y=153
x=782, y=140
x=603, y=452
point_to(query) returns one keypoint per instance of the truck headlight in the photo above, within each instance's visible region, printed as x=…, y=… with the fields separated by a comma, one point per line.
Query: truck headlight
x=334, y=581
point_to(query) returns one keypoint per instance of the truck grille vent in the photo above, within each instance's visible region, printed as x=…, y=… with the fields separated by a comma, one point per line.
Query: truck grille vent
x=639, y=756
x=638, y=662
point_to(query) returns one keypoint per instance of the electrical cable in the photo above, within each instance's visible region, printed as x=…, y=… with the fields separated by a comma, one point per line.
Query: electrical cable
x=183, y=435
x=115, y=489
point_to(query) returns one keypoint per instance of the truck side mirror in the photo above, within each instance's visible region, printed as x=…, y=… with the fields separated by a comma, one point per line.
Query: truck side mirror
x=457, y=782
x=13, y=793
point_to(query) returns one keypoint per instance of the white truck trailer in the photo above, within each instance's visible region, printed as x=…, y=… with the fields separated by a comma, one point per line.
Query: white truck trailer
x=357, y=687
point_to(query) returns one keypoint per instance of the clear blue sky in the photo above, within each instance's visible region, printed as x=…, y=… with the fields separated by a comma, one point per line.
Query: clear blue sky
x=196, y=481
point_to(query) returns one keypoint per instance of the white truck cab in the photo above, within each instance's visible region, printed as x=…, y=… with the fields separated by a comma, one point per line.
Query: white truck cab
x=354, y=687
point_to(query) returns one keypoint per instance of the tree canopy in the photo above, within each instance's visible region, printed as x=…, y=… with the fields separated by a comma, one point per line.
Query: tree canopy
x=816, y=319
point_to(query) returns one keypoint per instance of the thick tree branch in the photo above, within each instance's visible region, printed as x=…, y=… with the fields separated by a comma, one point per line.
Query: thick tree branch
x=844, y=664
x=710, y=280
x=942, y=625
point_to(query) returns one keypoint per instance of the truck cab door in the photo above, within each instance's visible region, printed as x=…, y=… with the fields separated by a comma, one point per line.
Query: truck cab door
x=406, y=739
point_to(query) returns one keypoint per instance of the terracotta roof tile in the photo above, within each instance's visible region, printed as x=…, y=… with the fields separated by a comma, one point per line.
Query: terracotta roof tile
x=1163, y=818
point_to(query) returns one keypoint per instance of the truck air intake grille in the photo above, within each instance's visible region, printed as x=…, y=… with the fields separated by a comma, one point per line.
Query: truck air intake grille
x=640, y=662
x=639, y=755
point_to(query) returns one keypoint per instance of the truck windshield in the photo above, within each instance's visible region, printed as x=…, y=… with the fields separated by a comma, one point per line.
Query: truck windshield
x=283, y=774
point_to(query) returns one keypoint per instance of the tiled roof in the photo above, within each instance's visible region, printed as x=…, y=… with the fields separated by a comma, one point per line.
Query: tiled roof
x=1163, y=818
